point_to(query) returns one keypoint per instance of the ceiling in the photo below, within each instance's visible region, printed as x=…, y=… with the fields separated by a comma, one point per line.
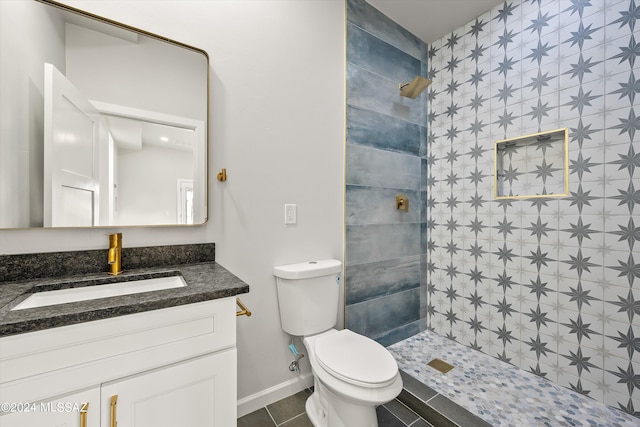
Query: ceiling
x=430, y=20
x=135, y=134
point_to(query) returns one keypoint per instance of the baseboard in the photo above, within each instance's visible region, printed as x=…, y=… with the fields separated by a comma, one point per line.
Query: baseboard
x=266, y=397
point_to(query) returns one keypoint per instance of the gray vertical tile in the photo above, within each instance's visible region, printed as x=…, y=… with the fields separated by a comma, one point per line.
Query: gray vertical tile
x=378, y=242
x=372, y=280
x=362, y=14
x=372, y=205
x=386, y=138
x=398, y=334
x=369, y=52
x=371, y=91
x=375, y=318
x=379, y=168
x=373, y=129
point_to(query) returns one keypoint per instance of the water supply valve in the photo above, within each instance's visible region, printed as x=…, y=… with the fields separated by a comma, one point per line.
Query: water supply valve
x=295, y=366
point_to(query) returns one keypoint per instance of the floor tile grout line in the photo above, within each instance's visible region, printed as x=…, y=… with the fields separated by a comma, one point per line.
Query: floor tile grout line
x=418, y=417
x=433, y=397
x=384, y=405
x=429, y=399
x=291, y=419
x=403, y=423
x=426, y=403
x=275, y=424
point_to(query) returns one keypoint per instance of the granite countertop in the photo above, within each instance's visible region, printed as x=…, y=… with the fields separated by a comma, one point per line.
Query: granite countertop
x=205, y=281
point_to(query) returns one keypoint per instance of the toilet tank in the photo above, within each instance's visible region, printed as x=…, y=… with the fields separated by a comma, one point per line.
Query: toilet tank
x=308, y=296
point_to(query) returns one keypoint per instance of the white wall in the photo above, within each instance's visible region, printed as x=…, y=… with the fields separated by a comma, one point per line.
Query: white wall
x=277, y=125
x=151, y=197
x=22, y=26
x=95, y=61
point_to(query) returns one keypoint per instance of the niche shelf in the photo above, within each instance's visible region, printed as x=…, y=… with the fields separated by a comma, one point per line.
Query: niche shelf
x=531, y=166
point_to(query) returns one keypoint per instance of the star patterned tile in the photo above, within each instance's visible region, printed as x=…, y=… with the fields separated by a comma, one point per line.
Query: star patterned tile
x=561, y=277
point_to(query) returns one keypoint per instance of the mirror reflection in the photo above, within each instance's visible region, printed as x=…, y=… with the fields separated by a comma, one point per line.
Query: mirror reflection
x=100, y=125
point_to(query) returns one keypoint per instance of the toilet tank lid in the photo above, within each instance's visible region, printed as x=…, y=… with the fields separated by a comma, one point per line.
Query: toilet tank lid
x=305, y=270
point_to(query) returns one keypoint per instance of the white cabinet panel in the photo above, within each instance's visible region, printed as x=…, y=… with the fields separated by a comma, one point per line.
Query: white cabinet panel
x=80, y=409
x=200, y=392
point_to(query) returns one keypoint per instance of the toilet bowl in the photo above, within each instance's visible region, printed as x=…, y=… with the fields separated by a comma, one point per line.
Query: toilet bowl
x=352, y=373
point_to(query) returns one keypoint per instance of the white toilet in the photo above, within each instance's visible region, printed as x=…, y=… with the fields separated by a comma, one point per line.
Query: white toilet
x=352, y=373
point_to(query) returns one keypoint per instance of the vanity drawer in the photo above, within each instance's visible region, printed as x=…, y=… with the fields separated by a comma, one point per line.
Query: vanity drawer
x=77, y=356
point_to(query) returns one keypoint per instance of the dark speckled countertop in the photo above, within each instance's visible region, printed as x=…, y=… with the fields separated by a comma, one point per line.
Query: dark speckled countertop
x=205, y=281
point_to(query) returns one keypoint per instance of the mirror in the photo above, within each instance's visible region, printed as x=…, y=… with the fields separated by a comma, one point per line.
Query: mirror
x=101, y=124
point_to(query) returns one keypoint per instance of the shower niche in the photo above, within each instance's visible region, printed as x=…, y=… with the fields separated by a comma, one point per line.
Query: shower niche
x=532, y=166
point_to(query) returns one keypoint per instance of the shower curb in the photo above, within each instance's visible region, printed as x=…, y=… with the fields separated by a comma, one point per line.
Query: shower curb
x=435, y=408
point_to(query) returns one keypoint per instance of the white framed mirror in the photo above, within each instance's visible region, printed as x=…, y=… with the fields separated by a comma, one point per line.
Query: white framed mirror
x=101, y=124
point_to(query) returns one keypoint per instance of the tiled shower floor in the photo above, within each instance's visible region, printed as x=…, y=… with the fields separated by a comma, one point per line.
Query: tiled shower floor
x=499, y=393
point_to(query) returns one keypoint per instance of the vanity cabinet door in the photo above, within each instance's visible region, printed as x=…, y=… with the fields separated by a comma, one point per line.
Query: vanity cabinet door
x=74, y=410
x=198, y=392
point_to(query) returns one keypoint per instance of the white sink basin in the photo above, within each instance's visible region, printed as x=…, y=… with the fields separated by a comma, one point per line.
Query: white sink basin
x=62, y=296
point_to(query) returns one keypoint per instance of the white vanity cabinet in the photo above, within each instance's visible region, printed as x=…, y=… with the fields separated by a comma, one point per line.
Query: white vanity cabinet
x=80, y=409
x=162, y=368
x=193, y=393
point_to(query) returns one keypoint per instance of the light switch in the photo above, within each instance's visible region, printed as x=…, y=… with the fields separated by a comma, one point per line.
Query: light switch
x=290, y=214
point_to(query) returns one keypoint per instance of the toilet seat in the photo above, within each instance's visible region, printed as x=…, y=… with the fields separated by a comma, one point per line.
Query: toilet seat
x=356, y=359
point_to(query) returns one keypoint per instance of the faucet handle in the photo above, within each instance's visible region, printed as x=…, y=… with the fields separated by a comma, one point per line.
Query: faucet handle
x=114, y=257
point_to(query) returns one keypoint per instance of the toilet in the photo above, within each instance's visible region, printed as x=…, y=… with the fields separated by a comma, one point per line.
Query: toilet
x=352, y=373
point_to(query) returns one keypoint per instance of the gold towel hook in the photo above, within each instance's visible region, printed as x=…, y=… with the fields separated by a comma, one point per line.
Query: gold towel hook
x=244, y=310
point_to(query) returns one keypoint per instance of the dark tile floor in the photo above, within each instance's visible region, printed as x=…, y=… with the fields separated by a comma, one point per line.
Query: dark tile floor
x=290, y=412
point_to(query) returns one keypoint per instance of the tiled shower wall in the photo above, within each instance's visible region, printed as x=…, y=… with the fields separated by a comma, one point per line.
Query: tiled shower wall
x=551, y=285
x=386, y=155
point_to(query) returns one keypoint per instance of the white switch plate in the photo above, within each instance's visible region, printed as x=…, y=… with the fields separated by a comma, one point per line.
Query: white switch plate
x=290, y=214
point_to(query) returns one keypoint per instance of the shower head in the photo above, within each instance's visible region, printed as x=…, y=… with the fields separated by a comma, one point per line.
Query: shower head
x=415, y=87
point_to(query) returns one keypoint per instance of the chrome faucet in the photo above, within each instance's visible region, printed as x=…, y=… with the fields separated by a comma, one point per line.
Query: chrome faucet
x=115, y=253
